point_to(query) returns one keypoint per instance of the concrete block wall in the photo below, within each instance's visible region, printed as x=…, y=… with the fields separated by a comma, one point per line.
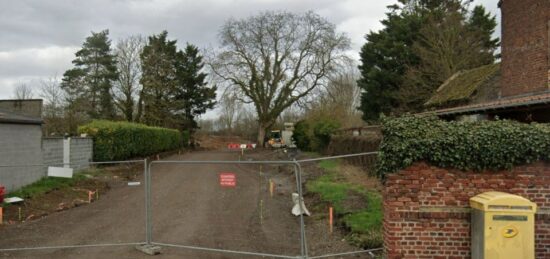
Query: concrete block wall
x=427, y=213
x=21, y=146
x=52, y=150
x=81, y=152
x=525, y=46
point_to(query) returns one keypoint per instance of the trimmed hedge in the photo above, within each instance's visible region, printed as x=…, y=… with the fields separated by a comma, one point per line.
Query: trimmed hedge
x=123, y=140
x=482, y=145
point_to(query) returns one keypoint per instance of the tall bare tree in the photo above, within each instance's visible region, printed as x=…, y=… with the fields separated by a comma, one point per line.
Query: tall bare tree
x=274, y=59
x=23, y=91
x=230, y=109
x=127, y=89
x=53, y=96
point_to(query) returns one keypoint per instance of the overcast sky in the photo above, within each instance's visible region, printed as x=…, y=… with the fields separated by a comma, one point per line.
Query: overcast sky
x=38, y=38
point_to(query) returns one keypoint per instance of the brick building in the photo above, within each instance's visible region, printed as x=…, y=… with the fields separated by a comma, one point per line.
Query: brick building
x=520, y=88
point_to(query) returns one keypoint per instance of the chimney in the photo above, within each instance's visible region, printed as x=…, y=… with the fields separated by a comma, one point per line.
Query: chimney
x=525, y=48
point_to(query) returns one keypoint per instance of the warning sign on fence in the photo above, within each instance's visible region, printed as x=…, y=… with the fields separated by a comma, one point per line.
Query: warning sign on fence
x=228, y=180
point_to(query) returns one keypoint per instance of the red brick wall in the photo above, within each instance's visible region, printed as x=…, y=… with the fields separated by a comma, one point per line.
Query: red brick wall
x=525, y=48
x=426, y=209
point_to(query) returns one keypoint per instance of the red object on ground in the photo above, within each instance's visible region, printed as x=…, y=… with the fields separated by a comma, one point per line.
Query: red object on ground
x=228, y=180
x=233, y=146
x=2, y=194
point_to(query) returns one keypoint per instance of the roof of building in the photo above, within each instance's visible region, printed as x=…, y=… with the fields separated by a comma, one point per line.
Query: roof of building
x=500, y=104
x=10, y=117
x=465, y=87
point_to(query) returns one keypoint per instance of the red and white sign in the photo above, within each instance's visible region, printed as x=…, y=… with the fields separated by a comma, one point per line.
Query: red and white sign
x=228, y=180
x=241, y=146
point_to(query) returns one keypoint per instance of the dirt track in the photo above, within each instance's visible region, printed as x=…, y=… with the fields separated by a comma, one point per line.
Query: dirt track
x=189, y=208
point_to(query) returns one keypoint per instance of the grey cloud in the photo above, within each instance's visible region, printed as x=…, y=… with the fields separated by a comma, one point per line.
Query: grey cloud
x=55, y=28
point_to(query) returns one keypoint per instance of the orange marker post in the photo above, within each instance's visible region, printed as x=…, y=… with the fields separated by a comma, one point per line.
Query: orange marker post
x=90, y=193
x=1, y=215
x=330, y=219
x=271, y=188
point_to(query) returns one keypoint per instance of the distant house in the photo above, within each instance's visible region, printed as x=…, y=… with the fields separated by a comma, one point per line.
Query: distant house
x=519, y=87
x=20, y=142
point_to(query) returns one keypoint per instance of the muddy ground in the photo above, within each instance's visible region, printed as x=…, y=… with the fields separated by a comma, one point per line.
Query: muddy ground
x=189, y=208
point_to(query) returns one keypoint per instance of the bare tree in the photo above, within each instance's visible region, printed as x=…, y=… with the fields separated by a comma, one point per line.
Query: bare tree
x=53, y=95
x=127, y=89
x=274, y=59
x=23, y=91
x=230, y=109
x=339, y=99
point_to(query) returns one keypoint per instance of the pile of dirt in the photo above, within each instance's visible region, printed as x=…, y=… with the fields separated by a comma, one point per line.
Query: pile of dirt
x=211, y=142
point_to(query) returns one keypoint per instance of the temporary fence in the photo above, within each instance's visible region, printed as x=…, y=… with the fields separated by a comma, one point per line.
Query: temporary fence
x=105, y=224
x=246, y=168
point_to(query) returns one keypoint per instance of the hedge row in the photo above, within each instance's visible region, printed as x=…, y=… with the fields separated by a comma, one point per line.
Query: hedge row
x=476, y=146
x=123, y=140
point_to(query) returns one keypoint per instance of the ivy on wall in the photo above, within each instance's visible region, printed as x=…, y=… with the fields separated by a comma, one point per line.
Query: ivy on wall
x=481, y=145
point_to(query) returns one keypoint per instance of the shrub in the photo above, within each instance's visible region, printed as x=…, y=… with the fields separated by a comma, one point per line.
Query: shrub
x=123, y=140
x=302, y=135
x=314, y=135
x=492, y=145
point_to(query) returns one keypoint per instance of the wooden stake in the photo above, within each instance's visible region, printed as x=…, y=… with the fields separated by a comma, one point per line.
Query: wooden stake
x=19, y=213
x=330, y=219
x=1, y=215
x=261, y=212
x=271, y=187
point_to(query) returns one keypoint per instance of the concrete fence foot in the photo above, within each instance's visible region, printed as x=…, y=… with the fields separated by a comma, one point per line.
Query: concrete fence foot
x=149, y=249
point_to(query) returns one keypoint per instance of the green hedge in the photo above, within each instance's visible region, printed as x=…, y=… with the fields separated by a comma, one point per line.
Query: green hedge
x=123, y=140
x=314, y=135
x=492, y=145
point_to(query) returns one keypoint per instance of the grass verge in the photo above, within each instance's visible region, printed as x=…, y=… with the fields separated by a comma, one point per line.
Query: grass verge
x=48, y=184
x=357, y=208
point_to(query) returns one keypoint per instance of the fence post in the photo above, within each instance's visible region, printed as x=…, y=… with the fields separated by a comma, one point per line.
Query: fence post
x=303, y=242
x=147, y=179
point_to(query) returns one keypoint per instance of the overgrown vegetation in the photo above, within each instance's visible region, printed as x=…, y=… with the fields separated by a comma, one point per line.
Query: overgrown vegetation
x=314, y=135
x=358, y=209
x=479, y=145
x=123, y=140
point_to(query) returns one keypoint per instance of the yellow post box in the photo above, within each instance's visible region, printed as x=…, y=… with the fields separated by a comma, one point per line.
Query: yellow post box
x=503, y=226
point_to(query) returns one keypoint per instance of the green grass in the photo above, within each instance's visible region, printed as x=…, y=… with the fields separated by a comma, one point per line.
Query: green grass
x=369, y=219
x=365, y=224
x=47, y=184
x=329, y=165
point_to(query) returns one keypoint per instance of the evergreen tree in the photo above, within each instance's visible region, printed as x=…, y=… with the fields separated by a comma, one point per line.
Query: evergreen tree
x=159, y=80
x=384, y=59
x=88, y=85
x=396, y=61
x=449, y=42
x=192, y=94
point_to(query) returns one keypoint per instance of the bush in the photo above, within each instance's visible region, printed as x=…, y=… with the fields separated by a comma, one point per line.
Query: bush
x=302, y=135
x=123, y=140
x=492, y=145
x=314, y=136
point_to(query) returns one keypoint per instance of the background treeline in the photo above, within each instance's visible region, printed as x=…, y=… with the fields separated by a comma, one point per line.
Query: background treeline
x=138, y=79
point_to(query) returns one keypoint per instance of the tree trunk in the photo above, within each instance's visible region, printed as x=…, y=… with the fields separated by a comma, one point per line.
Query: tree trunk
x=261, y=135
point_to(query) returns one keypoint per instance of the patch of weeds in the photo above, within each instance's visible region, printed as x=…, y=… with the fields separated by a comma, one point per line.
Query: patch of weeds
x=356, y=207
